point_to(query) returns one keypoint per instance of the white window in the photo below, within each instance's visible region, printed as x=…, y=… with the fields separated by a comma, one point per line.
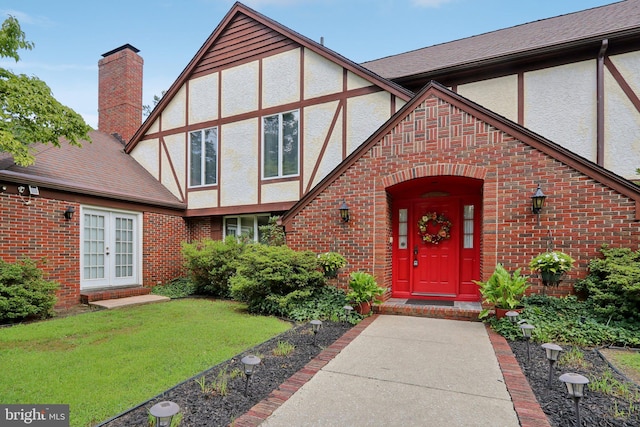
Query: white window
x=203, y=157
x=246, y=226
x=468, y=226
x=280, y=146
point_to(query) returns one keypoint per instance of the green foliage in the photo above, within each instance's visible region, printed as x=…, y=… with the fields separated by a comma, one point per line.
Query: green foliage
x=502, y=290
x=325, y=302
x=28, y=111
x=272, y=234
x=212, y=263
x=268, y=277
x=331, y=262
x=283, y=349
x=568, y=321
x=181, y=287
x=364, y=288
x=613, y=284
x=553, y=262
x=24, y=293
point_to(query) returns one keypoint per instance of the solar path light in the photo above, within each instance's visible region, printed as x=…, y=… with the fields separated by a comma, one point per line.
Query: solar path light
x=575, y=386
x=249, y=362
x=347, y=312
x=315, y=327
x=526, y=333
x=512, y=316
x=552, y=351
x=164, y=412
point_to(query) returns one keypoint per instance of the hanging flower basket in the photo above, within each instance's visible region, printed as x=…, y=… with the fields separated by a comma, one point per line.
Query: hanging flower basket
x=549, y=278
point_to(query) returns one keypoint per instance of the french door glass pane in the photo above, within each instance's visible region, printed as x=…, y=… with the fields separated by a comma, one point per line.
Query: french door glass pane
x=196, y=158
x=290, y=143
x=211, y=155
x=124, y=247
x=94, y=246
x=270, y=149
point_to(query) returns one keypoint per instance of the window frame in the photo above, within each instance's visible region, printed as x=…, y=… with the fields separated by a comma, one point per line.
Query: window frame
x=238, y=218
x=281, y=162
x=203, y=159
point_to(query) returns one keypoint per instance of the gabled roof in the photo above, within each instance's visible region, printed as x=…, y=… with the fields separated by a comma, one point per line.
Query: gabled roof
x=520, y=133
x=591, y=26
x=243, y=25
x=100, y=168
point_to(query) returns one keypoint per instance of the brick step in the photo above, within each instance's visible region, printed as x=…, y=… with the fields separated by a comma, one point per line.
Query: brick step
x=87, y=297
x=459, y=311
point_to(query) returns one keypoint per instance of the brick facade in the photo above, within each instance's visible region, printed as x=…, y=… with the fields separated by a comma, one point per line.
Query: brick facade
x=433, y=137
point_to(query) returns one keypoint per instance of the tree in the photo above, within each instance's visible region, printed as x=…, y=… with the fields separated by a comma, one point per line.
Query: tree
x=29, y=114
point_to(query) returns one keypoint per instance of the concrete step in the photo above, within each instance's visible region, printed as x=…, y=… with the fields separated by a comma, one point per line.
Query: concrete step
x=129, y=301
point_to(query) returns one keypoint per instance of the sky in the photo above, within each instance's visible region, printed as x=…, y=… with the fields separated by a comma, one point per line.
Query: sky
x=70, y=36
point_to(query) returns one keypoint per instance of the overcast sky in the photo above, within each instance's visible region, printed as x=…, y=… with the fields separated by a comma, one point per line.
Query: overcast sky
x=70, y=36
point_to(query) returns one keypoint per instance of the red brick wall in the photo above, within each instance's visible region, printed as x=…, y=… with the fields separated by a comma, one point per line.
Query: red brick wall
x=440, y=139
x=120, y=93
x=162, y=258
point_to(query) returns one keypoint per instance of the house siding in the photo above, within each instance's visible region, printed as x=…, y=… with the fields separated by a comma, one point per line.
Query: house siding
x=441, y=139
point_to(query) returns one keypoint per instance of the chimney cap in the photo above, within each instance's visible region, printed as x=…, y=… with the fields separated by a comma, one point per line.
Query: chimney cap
x=118, y=49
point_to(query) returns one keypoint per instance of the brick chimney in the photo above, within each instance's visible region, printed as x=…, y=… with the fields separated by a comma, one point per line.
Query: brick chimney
x=120, y=92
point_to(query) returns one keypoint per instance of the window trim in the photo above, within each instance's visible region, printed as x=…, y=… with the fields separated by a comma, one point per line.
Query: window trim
x=256, y=231
x=280, y=174
x=203, y=171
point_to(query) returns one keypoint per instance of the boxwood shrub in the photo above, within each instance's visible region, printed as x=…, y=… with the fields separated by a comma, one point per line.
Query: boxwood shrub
x=24, y=293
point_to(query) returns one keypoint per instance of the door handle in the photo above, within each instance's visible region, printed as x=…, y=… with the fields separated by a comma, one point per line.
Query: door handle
x=415, y=256
x=106, y=251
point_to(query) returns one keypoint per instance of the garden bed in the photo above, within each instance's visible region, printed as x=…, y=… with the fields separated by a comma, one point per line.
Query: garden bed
x=217, y=408
x=619, y=407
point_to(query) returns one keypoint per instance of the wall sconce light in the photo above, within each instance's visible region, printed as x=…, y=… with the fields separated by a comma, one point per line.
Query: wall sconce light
x=68, y=214
x=537, y=202
x=344, y=211
x=33, y=191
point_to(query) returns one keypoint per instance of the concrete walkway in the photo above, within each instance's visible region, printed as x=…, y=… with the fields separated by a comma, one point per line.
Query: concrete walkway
x=405, y=371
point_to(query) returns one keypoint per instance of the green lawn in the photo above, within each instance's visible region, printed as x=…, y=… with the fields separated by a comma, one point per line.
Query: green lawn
x=105, y=362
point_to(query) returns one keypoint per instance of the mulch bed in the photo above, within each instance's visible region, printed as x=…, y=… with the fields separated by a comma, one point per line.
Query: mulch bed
x=596, y=408
x=213, y=409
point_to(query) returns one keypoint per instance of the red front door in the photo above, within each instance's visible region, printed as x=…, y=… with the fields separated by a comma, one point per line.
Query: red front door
x=435, y=267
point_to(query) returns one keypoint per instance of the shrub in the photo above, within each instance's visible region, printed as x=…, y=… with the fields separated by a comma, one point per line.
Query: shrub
x=272, y=234
x=613, y=284
x=269, y=275
x=24, y=293
x=177, y=288
x=325, y=302
x=211, y=263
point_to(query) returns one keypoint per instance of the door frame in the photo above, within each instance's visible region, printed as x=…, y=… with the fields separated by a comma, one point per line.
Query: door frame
x=110, y=281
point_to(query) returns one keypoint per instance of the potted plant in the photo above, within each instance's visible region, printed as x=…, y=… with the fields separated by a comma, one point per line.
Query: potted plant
x=503, y=291
x=551, y=266
x=331, y=262
x=364, y=290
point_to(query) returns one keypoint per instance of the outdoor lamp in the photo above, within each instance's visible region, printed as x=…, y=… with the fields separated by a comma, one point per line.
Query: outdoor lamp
x=344, y=211
x=347, y=312
x=512, y=316
x=537, y=202
x=575, y=386
x=249, y=362
x=526, y=333
x=164, y=412
x=552, y=351
x=68, y=214
x=315, y=327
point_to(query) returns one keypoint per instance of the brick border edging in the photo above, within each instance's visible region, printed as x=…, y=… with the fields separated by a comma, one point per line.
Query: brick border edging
x=528, y=410
x=263, y=409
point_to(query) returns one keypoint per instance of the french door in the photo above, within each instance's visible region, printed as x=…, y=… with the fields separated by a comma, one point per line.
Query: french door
x=110, y=248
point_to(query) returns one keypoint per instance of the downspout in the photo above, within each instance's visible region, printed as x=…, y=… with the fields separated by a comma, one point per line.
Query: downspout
x=600, y=104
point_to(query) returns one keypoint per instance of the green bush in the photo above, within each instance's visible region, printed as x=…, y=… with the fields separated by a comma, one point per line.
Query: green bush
x=24, y=293
x=211, y=263
x=177, y=288
x=267, y=276
x=325, y=302
x=613, y=284
x=272, y=234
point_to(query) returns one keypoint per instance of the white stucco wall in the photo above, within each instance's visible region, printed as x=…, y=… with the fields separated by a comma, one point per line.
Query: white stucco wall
x=146, y=153
x=321, y=77
x=176, y=146
x=203, y=199
x=203, y=98
x=155, y=127
x=499, y=95
x=356, y=82
x=560, y=104
x=365, y=114
x=280, y=192
x=174, y=115
x=240, y=89
x=317, y=121
x=239, y=163
x=281, y=79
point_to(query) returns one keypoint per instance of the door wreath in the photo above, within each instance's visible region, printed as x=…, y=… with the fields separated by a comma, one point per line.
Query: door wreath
x=440, y=221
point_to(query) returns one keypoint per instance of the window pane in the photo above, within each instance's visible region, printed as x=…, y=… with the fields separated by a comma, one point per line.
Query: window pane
x=196, y=158
x=290, y=143
x=211, y=155
x=248, y=223
x=270, y=151
x=231, y=227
